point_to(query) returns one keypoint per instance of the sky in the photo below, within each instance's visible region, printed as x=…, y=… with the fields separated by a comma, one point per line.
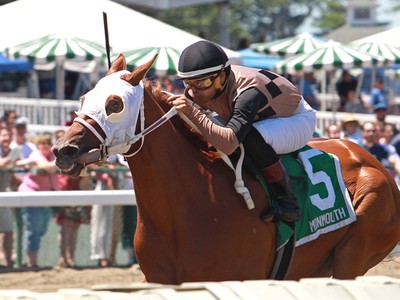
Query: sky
x=385, y=13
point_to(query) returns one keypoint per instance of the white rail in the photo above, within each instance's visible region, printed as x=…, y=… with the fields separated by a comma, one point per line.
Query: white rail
x=48, y=115
x=67, y=198
x=325, y=118
x=40, y=111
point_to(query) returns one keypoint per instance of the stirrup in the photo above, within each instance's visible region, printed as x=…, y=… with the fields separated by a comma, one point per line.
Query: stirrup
x=269, y=216
x=279, y=213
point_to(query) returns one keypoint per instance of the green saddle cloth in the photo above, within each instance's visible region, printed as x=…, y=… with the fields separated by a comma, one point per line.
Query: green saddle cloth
x=316, y=180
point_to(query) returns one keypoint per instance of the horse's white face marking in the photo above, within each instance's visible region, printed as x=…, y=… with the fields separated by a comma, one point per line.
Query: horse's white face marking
x=117, y=126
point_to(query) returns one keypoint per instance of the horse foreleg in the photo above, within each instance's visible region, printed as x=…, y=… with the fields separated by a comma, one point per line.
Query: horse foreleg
x=360, y=250
x=325, y=270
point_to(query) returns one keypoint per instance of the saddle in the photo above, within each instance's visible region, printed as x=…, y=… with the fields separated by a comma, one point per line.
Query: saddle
x=316, y=181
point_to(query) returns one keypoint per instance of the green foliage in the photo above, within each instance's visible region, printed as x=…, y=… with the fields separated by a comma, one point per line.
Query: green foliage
x=261, y=20
x=254, y=21
x=332, y=15
x=395, y=5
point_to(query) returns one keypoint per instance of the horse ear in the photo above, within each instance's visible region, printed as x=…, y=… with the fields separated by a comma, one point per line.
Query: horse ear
x=117, y=65
x=139, y=73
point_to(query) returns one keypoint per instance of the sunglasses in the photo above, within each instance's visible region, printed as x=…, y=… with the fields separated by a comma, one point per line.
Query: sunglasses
x=200, y=84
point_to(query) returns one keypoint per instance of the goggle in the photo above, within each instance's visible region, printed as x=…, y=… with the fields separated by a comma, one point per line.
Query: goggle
x=201, y=84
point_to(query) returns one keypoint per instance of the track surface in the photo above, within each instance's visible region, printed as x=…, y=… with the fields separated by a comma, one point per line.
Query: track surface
x=50, y=280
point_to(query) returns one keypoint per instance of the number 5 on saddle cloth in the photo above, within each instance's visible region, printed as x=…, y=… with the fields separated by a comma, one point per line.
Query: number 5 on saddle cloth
x=316, y=180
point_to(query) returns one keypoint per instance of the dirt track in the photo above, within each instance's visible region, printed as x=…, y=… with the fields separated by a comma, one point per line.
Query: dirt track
x=49, y=280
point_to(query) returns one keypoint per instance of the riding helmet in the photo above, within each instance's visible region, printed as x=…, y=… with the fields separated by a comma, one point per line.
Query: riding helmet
x=201, y=59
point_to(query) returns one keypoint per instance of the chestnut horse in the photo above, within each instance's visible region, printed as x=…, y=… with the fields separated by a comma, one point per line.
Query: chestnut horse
x=192, y=225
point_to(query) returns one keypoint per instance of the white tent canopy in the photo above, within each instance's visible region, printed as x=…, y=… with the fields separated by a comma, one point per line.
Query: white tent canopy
x=388, y=36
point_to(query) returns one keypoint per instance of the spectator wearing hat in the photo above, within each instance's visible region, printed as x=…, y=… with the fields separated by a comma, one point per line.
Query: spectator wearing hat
x=259, y=109
x=20, y=140
x=24, y=146
x=380, y=110
x=351, y=128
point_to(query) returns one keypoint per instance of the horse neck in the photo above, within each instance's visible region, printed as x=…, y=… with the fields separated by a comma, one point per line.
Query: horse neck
x=176, y=182
x=166, y=162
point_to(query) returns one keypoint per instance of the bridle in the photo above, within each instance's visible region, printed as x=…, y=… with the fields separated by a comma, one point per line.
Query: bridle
x=106, y=150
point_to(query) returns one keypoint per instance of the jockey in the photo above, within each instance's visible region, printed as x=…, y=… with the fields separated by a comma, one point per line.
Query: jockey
x=260, y=109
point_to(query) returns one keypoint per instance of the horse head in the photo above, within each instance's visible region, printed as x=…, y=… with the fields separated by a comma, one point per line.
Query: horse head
x=107, y=118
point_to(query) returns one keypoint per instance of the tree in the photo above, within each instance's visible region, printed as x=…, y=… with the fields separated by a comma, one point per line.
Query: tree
x=332, y=15
x=395, y=5
x=256, y=21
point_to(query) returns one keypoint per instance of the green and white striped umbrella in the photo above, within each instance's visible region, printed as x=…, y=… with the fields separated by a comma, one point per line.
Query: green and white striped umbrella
x=166, y=62
x=299, y=44
x=55, y=51
x=330, y=56
x=58, y=49
x=390, y=53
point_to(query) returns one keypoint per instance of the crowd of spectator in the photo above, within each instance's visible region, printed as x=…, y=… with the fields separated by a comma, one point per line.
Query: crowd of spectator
x=380, y=138
x=27, y=164
x=352, y=96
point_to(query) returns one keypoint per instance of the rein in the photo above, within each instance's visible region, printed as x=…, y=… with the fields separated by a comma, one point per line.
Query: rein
x=105, y=150
x=239, y=182
x=172, y=112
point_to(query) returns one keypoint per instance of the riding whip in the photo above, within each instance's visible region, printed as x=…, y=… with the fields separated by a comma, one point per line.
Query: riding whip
x=107, y=39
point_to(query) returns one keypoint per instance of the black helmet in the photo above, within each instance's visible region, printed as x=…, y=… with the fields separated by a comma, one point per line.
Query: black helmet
x=200, y=59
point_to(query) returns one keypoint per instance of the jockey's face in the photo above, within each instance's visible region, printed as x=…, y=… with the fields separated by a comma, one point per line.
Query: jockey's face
x=204, y=89
x=201, y=83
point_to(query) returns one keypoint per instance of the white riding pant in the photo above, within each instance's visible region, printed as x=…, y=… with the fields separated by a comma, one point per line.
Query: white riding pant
x=288, y=134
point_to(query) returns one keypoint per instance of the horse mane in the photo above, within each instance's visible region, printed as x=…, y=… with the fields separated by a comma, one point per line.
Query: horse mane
x=153, y=87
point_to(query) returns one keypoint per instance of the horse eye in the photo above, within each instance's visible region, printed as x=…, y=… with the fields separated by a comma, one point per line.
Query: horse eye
x=114, y=106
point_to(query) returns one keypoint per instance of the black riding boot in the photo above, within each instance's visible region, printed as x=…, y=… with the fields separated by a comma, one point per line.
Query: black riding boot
x=280, y=190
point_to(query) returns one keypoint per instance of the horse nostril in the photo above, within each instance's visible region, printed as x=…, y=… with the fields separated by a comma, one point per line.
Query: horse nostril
x=54, y=149
x=69, y=151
